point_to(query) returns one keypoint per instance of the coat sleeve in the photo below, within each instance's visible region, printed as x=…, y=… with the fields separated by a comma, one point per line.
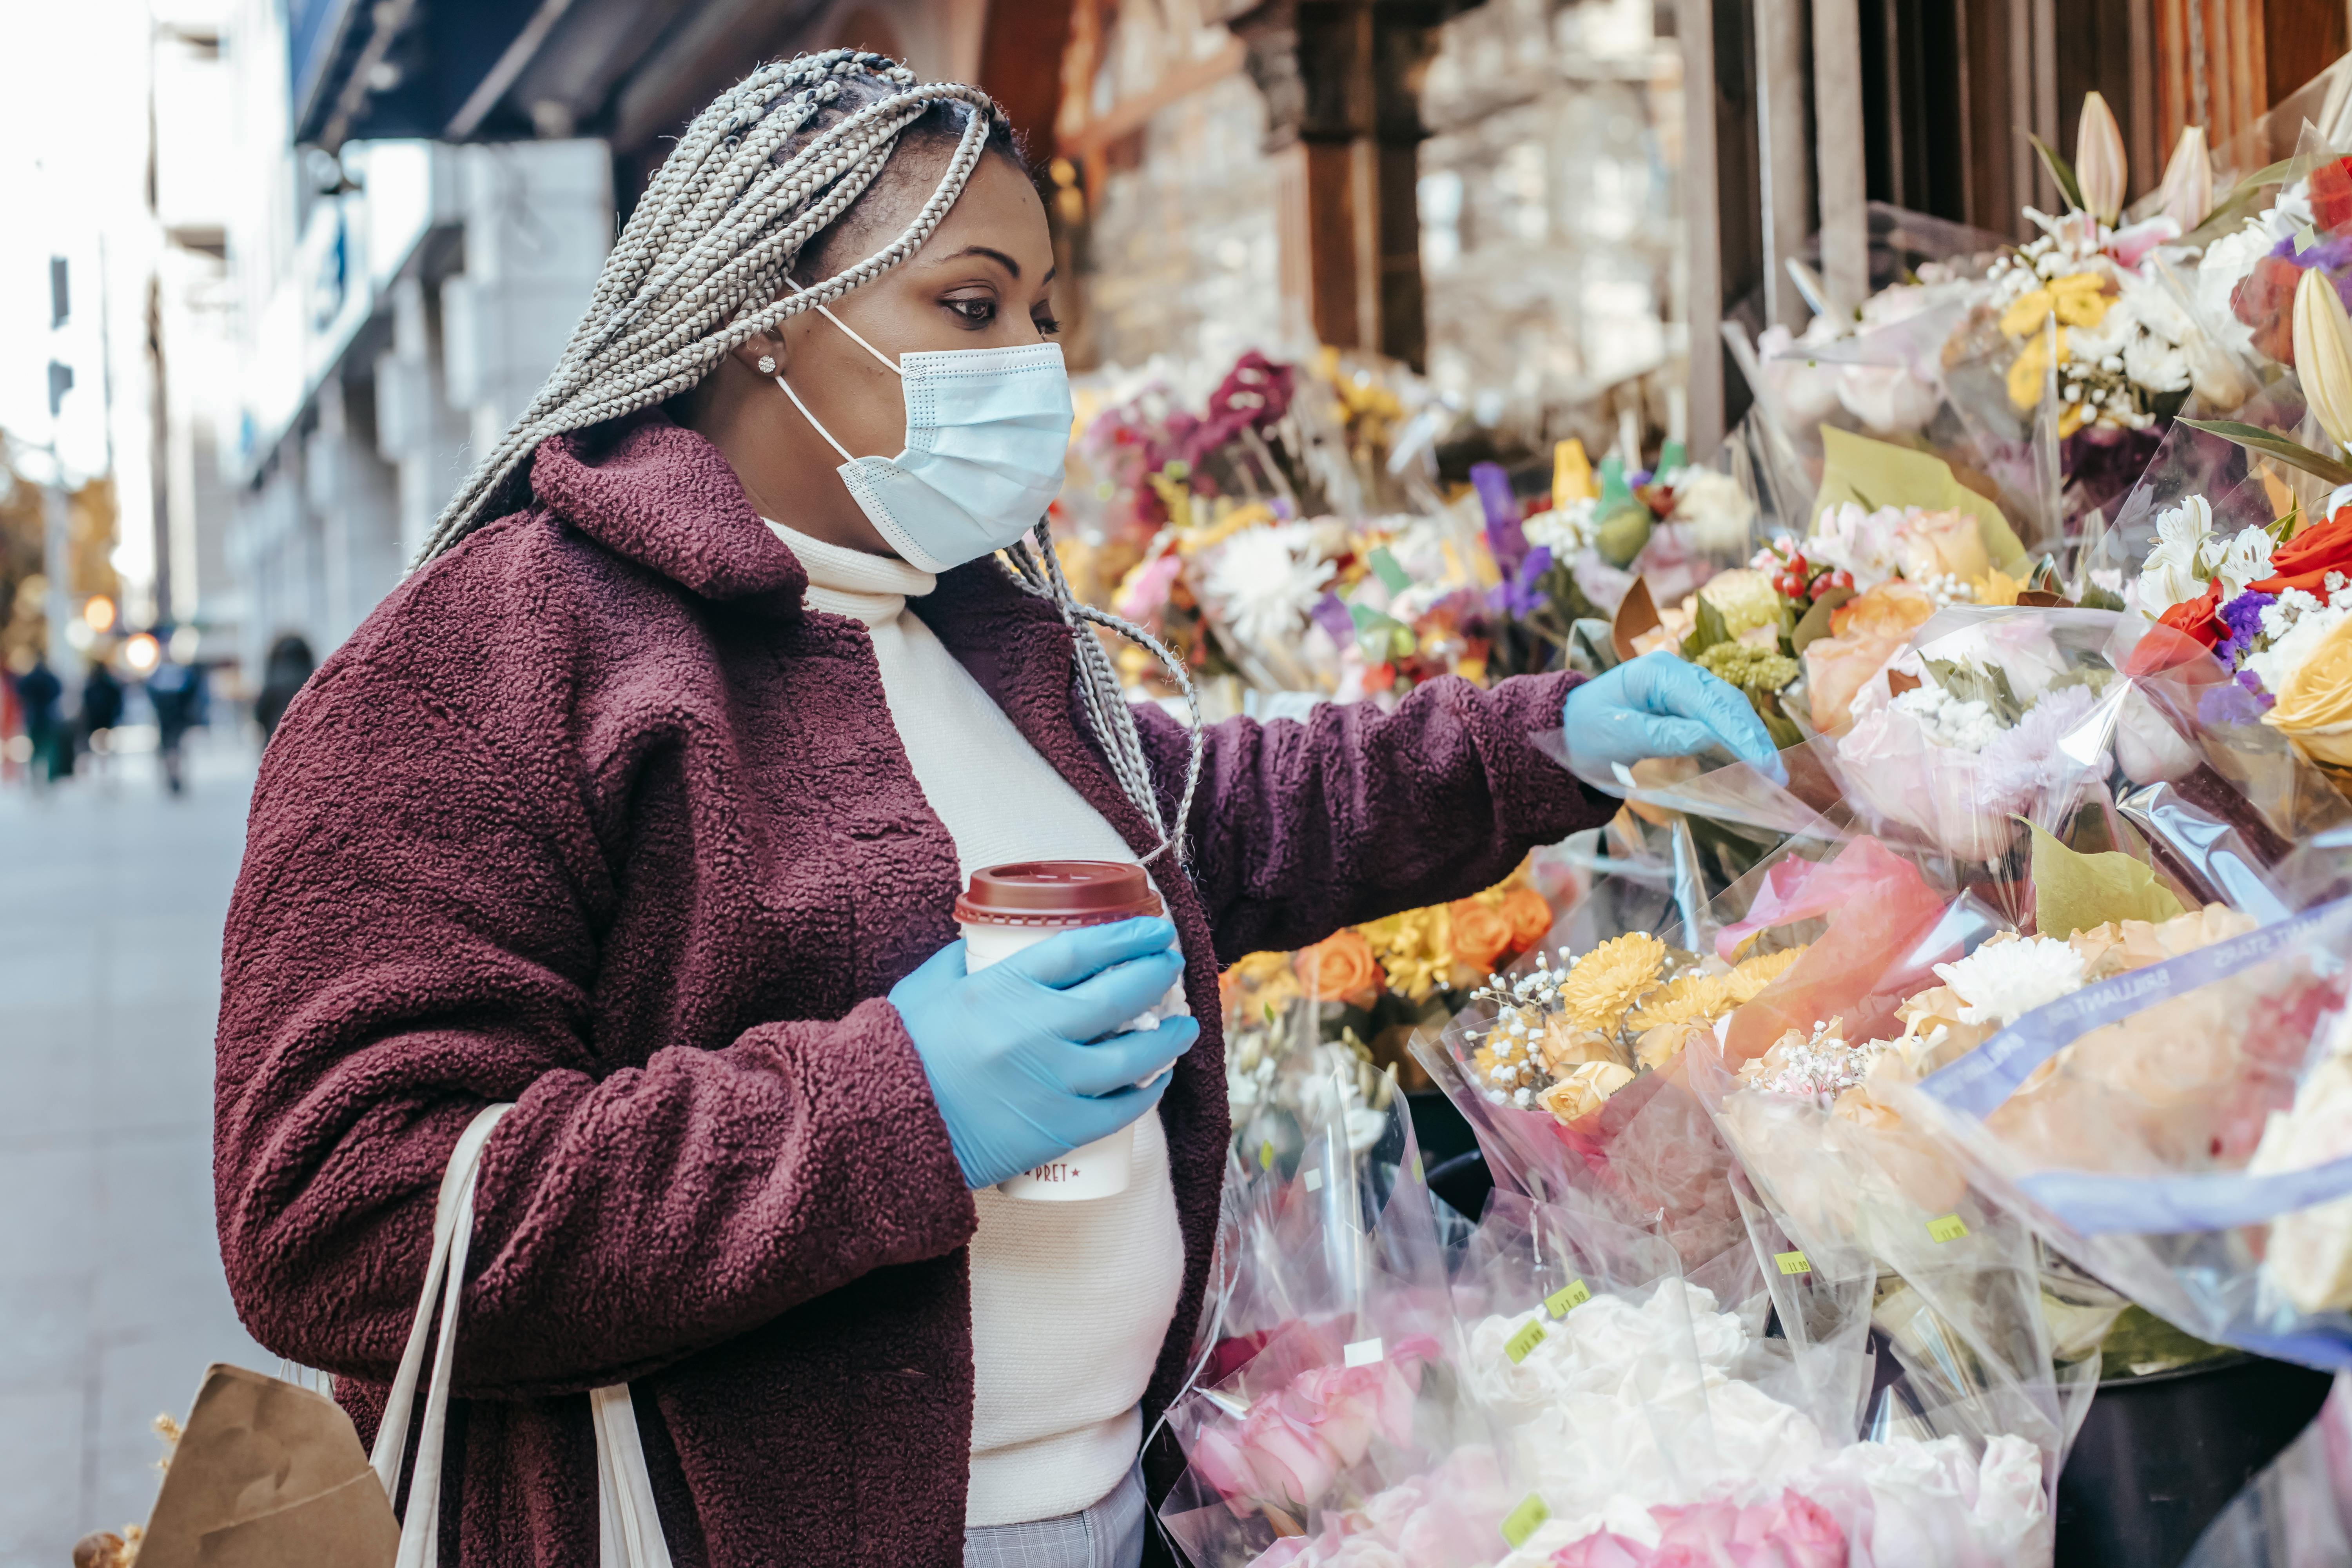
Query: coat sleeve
x=413, y=938
x=1299, y=828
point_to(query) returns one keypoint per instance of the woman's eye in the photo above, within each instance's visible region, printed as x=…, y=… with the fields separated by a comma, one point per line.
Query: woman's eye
x=977, y=312
x=1046, y=325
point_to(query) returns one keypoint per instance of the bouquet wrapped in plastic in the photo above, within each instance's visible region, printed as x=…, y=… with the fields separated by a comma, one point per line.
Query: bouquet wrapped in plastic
x=2174, y=1121
x=1324, y=1415
x=1650, y=1426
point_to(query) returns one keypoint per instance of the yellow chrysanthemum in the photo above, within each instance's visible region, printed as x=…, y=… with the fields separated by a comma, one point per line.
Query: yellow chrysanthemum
x=1606, y=983
x=1755, y=974
x=1693, y=999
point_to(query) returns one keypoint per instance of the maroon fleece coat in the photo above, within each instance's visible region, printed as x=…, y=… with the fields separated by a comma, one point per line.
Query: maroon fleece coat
x=596, y=816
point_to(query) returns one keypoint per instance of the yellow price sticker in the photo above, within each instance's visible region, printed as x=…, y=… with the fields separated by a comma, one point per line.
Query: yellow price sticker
x=1524, y=1520
x=1266, y=1155
x=1530, y=1335
x=1951, y=1227
x=1793, y=1262
x=1566, y=1300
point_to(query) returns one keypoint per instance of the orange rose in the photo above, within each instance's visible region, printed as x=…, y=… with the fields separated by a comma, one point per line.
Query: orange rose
x=1865, y=633
x=1480, y=935
x=1342, y=968
x=1528, y=916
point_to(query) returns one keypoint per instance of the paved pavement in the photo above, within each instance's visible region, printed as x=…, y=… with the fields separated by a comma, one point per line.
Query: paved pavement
x=111, y=1297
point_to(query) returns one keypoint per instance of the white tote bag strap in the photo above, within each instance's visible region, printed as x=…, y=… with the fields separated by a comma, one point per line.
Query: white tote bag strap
x=445, y=1271
x=628, y=1531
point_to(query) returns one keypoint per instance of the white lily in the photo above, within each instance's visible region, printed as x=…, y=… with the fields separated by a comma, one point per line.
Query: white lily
x=2171, y=574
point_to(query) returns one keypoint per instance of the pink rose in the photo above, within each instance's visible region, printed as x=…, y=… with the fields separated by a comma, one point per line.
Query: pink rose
x=1605, y=1549
x=1790, y=1531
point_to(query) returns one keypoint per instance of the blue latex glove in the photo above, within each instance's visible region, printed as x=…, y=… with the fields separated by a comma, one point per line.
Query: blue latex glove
x=1661, y=706
x=1008, y=1049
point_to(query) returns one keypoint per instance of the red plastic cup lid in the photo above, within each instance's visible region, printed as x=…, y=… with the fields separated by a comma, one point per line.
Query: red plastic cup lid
x=1057, y=893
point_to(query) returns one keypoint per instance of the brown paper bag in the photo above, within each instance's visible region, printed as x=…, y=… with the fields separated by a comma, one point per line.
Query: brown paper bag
x=267, y=1475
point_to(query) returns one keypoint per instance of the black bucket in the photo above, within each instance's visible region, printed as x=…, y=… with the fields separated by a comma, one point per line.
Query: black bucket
x=2160, y=1457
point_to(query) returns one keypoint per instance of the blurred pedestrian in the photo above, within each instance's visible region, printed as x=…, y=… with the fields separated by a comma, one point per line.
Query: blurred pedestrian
x=102, y=709
x=176, y=691
x=290, y=665
x=42, y=694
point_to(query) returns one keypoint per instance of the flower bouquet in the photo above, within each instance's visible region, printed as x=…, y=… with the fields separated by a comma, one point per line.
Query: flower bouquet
x=2172, y=1121
x=1324, y=1407
x=1365, y=989
x=1650, y=1420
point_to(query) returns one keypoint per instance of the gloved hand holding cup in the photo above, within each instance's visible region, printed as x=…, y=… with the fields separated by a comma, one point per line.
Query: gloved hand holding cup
x=1049, y=1030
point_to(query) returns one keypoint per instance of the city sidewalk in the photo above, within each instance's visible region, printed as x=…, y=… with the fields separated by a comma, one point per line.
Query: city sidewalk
x=111, y=1297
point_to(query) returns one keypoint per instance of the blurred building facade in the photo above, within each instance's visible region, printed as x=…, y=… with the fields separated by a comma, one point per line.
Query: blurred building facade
x=385, y=217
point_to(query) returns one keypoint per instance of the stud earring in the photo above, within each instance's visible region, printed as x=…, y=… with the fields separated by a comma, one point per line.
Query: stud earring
x=767, y=365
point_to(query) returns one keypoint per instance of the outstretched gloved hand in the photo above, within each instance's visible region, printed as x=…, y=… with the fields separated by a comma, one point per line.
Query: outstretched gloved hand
x=1661, y=706
x=1017, y=1055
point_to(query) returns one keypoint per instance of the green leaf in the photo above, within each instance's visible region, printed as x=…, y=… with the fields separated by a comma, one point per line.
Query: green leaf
x=1385, y=566
x=2061, y=170
x=1815, y=624
x=1707, y=631
x=1968, y=683
x=2075, y=892
x=2098, y=598
x=2255, y=438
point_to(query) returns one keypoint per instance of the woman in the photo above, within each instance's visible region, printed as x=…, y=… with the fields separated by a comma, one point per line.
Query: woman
x=643, y=804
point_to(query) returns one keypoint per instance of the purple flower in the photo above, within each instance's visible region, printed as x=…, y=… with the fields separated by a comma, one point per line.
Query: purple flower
x=2241, y=701
x=1504, y=535
x=1522, y=593
x=2243, y=616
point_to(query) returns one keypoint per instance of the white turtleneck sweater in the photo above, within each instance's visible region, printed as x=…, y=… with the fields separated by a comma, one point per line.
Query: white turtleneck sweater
x=1069, y=1301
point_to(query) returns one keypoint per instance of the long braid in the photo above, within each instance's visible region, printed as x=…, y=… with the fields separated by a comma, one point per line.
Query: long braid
x=697, y=272
x=1038, y=570
x=698, y=269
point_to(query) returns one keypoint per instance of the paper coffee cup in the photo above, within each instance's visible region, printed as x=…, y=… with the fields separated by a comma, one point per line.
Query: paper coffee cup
x=1011, y=907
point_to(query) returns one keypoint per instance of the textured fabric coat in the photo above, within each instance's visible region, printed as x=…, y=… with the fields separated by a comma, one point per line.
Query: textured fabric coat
x=596, y=816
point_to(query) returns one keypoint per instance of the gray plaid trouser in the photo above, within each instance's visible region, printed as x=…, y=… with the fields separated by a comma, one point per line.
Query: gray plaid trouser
x=1108, y=1535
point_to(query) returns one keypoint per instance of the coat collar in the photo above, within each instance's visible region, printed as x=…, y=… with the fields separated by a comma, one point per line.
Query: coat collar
x=665, y=497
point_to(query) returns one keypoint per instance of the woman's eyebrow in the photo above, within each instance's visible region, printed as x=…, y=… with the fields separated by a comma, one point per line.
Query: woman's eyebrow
x=991, y=253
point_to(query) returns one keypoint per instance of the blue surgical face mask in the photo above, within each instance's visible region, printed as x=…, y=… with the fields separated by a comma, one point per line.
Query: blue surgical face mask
x=986, y=433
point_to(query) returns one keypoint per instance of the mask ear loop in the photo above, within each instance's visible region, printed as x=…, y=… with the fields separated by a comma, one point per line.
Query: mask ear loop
x=813, y=423
x=887, y=363
x=827, y=311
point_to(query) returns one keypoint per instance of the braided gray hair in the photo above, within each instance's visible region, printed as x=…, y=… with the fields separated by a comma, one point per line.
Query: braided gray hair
x=697, y=272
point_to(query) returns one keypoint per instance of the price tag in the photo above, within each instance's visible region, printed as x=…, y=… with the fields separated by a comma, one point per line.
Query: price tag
x=1951, y=1227
x=1315, y=1180
x=1530, y=1335
x=1420, y=1172
x=1567, y=1298
x=1266, y=1155
x=1524, y=1520
x=1363, y=1353
x=1793, y=1262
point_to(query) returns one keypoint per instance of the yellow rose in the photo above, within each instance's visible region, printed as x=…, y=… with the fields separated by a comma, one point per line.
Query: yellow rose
x=1585, y=1090
x=1565, y=1047
x=1938, y=542
x=2314, y=707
